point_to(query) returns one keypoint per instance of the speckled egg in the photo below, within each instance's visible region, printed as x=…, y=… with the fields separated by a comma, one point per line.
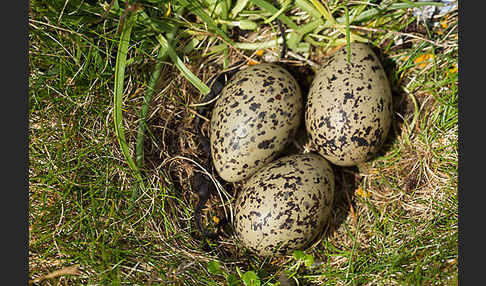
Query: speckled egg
x=256, y=115
x=285, y=205
x=349, y=108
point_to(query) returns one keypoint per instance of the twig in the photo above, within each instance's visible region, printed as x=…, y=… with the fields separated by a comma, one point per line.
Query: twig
x=301, y=58
x=70, y=270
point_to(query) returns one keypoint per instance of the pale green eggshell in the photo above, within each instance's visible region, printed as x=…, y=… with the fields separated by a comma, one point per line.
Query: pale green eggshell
x=349, y=108
x=285, y=204
x=256, y=115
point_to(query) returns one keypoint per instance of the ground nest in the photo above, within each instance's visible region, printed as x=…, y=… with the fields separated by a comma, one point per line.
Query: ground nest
x=173, y=152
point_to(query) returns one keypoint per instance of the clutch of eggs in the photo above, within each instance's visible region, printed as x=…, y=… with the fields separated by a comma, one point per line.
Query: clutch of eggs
x=285, y=203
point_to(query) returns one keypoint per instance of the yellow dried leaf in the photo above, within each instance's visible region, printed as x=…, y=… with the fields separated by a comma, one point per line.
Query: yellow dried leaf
x=252, y=62
x=443, y=22
x=362, y=193
x=423, y=60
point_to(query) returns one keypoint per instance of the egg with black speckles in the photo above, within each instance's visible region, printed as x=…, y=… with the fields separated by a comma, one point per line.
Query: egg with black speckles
x=348, y=111
x=256, y=115
x=285, y=205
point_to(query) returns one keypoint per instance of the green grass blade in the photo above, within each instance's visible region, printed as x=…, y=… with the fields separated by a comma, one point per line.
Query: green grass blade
x=148, y=96
x=143, y=114
x=270, y=8
x=121, y=60
x=306, y=6
x=191, y=77
x=327, y=15
x=196, y=9
x=324, y=12
x=279, y=12
x=146, y=103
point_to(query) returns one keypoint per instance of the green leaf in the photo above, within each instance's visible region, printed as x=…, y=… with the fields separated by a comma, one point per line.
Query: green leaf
x=232, y=280
x=308, y=260
x=214, y=267
x=296, y=36
x=299, y=254
x=218, y=8
x=250, y=279
x=239, y=6
x=247, y=25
